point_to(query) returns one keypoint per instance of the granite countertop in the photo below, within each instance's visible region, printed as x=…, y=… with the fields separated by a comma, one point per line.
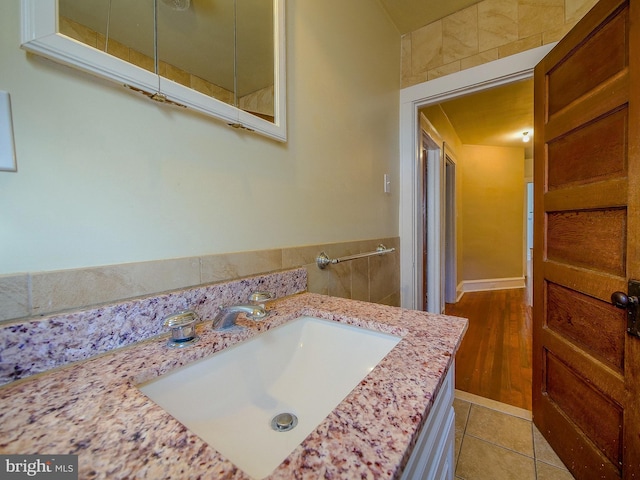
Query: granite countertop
x=93, y=408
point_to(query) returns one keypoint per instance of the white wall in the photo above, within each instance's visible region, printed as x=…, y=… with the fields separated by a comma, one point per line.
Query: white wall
x=106, y=176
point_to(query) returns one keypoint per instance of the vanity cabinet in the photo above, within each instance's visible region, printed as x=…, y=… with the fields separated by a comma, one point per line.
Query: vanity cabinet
x=433, y=456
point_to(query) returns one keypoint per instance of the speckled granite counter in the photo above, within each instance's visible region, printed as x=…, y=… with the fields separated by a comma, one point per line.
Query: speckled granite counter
x=93, y=409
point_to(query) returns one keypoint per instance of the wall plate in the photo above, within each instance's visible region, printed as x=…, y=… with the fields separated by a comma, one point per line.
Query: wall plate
x=7, y=146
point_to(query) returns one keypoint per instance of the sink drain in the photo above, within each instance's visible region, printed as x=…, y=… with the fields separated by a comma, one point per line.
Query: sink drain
x=283, y=422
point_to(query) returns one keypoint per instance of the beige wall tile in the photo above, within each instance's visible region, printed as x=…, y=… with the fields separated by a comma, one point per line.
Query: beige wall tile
x=511, y=26
x=576, y=9
x=114, y=48
x=520, y=46
x=142, y=60
x=414, y=79
x=14, y=296
x=537, y=16
x=57, y=291
x=260, y=101
x=438, y=72
x=340, y=280
x=355, y=279
x=497, y=23
x=384, y=278
x=426, y=48
x=360, y=280
x=211, y=90
x=296, y=256
x=393, y=300
x=175, y=74
x=78, y=32
x=216, y=268
x=556, y=34
x=66, y=289
x=318, y=281
x=385, y=273
x=479, y=59
x=460, y=34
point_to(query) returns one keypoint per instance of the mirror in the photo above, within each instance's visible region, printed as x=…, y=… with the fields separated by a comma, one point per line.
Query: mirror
x=224, y=58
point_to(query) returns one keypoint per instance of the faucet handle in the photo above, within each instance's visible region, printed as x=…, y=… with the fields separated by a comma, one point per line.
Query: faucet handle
x=258, y=298
x=258, y=312
x=183, y=328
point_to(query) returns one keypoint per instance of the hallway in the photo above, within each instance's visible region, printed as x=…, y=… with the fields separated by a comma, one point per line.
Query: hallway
x=494, y=360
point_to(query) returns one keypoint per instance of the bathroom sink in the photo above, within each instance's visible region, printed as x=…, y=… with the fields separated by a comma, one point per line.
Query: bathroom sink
x=244, y=400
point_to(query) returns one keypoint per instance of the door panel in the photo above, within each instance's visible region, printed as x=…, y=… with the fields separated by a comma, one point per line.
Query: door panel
x=570, y=314
x=589, y=238
x=604, y=142
x=587, y=160
x=595, y=60
x=571, y=393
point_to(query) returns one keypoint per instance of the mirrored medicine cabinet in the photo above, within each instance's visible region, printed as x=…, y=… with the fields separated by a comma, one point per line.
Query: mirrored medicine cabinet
x=223, y=58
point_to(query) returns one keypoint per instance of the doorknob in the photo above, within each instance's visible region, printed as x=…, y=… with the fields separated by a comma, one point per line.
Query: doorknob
x=621, y=300
x=630, y=303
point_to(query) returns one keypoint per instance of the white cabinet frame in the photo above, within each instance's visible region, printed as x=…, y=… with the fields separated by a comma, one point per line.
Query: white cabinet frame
x=39, y=34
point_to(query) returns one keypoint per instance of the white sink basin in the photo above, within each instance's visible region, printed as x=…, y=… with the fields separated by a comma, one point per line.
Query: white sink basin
x=305, y=367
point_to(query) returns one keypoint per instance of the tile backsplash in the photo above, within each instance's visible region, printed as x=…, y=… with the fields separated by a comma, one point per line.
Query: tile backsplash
x=30, y=294
x=42, y=343
x=54, y=318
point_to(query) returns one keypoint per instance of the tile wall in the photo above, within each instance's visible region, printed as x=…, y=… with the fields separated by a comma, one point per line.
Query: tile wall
x=486, y=31
x=375, y=279
x=38, y=344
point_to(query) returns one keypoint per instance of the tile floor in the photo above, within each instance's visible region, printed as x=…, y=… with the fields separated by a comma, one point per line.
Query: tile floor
x=495, y=441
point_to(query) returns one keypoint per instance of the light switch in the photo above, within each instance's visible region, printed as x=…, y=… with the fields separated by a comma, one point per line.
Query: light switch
x=387, y=184
x=7, y=147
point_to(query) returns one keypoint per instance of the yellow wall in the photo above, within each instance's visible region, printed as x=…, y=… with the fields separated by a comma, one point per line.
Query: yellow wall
x=107, y=177
x=492, y=212
x=486, y=31
x=490, y=203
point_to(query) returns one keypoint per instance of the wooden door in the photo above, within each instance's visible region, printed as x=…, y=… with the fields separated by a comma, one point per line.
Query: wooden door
x=586, y=394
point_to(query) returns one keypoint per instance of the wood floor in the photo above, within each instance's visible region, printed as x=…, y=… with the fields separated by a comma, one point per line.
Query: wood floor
x=494, y=360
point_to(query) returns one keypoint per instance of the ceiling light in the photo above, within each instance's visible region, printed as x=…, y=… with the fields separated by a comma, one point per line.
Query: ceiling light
x=525, y=137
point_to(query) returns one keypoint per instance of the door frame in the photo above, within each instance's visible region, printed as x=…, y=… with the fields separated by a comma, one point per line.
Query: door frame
x=493, y=74
x=450, y=228
x=430, y=217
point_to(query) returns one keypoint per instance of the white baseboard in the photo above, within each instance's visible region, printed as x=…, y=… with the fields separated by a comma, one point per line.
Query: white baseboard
x=492, y=284
x=459, y=291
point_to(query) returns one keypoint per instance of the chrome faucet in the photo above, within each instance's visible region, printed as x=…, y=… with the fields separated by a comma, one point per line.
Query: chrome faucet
x=226, y=316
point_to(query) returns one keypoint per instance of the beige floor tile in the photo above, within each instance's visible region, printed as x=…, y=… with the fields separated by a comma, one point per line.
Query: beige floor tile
x=501, y=429
x=543, y=450
x=481, y=460
x=493, y=404
x=549, y=472
x=461, y=409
